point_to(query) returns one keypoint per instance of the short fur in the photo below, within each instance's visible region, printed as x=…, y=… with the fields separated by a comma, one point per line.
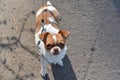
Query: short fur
x=51, y=42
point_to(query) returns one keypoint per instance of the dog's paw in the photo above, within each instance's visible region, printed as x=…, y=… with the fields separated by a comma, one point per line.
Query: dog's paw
x=60, y=63
x=46, y=77
x=43, y=73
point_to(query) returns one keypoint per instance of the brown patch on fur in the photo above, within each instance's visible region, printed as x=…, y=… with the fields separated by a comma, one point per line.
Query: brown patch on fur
x=43, y=36
x=45, y=15
x=64, y=33
x=49, y=41
x=46, y=37
x=59, y=38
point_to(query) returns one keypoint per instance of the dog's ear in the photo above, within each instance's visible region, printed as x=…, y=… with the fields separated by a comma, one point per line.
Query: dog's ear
x=64, y=33
x=43, y=35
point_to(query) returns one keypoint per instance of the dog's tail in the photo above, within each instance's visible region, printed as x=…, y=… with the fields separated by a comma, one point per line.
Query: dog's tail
x=49, y=3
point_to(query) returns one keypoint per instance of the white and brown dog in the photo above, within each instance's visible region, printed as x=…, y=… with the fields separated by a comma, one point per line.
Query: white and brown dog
x=49, y=38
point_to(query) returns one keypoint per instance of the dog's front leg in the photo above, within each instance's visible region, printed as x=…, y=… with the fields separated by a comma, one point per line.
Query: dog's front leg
x=43, y=66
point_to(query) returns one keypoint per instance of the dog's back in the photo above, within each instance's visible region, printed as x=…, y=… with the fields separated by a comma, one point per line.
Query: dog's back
x=49, y=14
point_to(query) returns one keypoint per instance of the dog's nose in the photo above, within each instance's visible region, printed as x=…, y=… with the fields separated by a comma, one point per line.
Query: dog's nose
x=56, y=49
x=56, y=52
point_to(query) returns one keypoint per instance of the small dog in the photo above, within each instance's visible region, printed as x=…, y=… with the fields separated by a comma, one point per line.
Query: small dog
x=49, y=38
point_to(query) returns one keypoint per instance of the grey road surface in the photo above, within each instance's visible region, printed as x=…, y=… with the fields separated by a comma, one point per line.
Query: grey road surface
x=93, y=44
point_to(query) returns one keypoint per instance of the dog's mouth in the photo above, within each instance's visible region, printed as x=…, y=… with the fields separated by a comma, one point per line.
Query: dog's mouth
x=55, y=53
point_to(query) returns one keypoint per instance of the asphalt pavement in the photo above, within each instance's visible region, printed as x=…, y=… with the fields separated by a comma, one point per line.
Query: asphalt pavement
x=93, y=43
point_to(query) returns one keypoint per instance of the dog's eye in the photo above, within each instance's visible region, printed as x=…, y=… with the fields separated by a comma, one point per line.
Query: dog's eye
x=49, y=46
x=61, y=45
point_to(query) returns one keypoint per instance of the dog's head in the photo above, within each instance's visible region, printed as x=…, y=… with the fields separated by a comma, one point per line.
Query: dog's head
x=54, y=43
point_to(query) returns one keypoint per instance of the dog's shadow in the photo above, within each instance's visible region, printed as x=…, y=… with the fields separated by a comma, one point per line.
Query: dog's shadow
x=64, y=73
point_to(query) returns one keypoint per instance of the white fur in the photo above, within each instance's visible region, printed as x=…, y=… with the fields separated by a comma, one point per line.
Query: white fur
x=50, y=8
x=43, y=66
x=54, y=38
x=51, y=19
x=53, y=58
x=60, y=63
x=49, y=28
x=50, y=58
x=37, y=39
x=48, y=3
x=52, y=50
x=47, y=56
